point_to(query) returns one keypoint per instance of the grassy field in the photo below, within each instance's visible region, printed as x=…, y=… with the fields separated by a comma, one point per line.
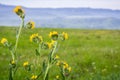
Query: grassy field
x=92, y=54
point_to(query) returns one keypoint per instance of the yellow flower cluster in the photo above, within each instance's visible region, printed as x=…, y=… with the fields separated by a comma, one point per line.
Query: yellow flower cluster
x=36, y=38
x=64, y=65
x=3, y=41
x=34, y=77
x=30, y=25
x=53, y=35
x=49, y=45
x=65, y=35
x=19, y=11
x=25, y=64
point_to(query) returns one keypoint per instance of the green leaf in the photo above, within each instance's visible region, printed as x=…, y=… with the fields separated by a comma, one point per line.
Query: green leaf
x=37, y=52
x=47, y=76
x=44, y=66
x=10, y=74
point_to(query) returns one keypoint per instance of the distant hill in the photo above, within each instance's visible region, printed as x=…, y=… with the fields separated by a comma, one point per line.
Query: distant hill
x=86, y=18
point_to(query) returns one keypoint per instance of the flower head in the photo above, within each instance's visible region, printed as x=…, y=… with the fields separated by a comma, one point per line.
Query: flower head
x=25, y=64
x=65, y=65
x=58, y=63
x=34, y=77
x=69, y=69
x=13, y=62
x=53, y=35
x=56, y=57
x=57, y=77
x=48, y=45
x=19, y=11
x=30, y=25
x=4, y=41
x=36, y=38
x=65, y=36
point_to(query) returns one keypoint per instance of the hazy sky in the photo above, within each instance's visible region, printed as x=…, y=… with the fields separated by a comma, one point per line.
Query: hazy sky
x=110, y=4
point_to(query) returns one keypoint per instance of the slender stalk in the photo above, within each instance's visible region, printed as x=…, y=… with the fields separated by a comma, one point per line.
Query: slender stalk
x=49, y=62
x=46, y=71
x=54, y=49
x=12, y=54
x=18, y=35
x=39, y=48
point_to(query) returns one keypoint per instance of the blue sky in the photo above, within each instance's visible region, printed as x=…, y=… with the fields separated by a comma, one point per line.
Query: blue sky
x=110, y=4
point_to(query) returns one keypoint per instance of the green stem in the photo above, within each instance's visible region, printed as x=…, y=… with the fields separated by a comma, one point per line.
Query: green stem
x=54, y=49
x=49, y=62
x=18, y=35
x=46, y=71
x=13, y=56
x=39, y=48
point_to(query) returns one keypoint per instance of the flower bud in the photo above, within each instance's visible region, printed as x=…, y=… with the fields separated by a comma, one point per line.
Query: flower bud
x=36, y=38
x=19, y=11
x=65, y=36
x=4, y=41
x=30, y=25
x=53, y=35
x=34, y=77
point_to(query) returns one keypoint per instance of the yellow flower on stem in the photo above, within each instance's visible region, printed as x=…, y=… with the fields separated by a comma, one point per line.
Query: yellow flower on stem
x=36, y=38
x=25, y=64
x=56, y=57
x=12, y=62
x=69, y=69
x=49, y=45
x=57, y=77
x=30, y=25
x=58, y=63
x=53, y=35
x=4, y=41
x=65, y=36
x=19, y=11
x=46, y=45
x=34, y=77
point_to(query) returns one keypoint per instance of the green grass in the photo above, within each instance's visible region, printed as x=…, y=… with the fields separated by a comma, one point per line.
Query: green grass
x=92, y=54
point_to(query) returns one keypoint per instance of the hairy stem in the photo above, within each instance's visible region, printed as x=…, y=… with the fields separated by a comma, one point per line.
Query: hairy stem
x=18, y=35
x=49, y=62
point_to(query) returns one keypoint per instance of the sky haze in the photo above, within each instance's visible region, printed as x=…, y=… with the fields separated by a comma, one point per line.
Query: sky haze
x=107, y=4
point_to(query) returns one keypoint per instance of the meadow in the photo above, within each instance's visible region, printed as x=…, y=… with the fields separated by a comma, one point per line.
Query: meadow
x=92, y=54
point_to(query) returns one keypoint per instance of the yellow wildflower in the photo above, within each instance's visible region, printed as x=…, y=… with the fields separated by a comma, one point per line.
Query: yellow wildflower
x=57, y=77
x=4, y=40
x=58, y=63
x=69, y=69
x=49, y=45
x=65, y=65
x=12, y=62
x=52, y=42
x=53, y=35
x=17, y=8
x=36, y=38
x=65, y=35
x=34, y=77
x=19, y=11
x=25, y=64
x=30, y=25
x=56, y=57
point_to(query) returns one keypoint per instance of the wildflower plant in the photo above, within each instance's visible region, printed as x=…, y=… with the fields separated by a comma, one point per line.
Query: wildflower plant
x=51, y=60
